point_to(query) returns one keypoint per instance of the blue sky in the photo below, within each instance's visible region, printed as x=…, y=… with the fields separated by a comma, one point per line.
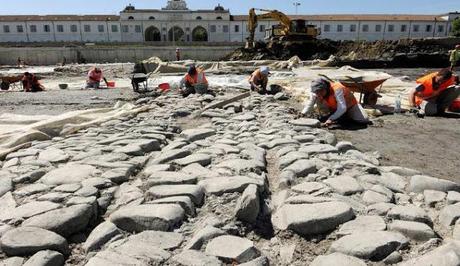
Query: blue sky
x=15, y=7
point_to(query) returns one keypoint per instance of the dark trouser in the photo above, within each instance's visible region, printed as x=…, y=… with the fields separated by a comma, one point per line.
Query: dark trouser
x=439, y=105
x=263, y=85
x=187, y=90
x=199, y=88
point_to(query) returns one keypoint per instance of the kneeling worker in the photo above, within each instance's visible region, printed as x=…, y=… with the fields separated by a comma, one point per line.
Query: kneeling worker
x=338, y=99
x=435, y=92
x=30, y=83
x=259, y=80
x=94, y=78
x=193, y=82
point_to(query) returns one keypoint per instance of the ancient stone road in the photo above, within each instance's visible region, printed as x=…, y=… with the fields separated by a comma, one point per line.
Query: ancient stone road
x=252, y=188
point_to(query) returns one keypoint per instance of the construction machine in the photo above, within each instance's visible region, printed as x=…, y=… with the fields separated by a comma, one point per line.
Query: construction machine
x=289, y=30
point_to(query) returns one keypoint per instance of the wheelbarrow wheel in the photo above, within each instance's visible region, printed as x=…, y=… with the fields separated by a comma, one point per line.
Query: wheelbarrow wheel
x=4, y=86
x=371, y=98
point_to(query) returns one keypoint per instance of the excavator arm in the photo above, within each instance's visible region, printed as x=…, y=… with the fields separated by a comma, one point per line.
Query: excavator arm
x=284, y=20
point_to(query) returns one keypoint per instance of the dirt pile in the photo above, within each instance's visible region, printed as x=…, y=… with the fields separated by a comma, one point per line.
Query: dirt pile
x=379, y=54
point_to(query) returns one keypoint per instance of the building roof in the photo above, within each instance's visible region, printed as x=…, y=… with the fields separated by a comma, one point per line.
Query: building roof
x=343, y=17
x=175, y=11
x=21, y=18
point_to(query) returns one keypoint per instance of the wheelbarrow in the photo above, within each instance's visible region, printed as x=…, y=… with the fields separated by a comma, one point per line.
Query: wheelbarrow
x=7, y=81
x=365, y=86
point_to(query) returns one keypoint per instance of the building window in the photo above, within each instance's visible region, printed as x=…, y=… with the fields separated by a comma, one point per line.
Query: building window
x=33, y=28
x=225, y=28
x=199, y=18
x=6, y=28
x=46, y=28
x=125, y=28
x=138, y=28
x=365, y=28
x=87, y=28
x=339, y=28
x=213, y=28
x=20, y=28
x=428, y=28
x=403, y=28
x=60, y=28
x=219, y=18
x=100, y=28
x=391, y=28
x=261, y=28
x=73, y=28
x=130, y=17
x=378, y=28
x=440, y=28
x=114, y=28
x=237, y=28
x=327, y=28
x=151, y=18
x=352, y=28
x=416, y=28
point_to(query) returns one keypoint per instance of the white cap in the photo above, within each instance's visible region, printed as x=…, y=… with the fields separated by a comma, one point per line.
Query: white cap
x=265, y=70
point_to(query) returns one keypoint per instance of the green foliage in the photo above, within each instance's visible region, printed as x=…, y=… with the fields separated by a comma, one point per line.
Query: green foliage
x=456, y=27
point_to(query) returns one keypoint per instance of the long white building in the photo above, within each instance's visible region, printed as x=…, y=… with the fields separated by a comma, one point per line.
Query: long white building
x=177, y=23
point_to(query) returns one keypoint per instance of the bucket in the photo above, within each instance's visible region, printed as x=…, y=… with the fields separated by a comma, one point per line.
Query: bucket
x=164, y=86
x=111, y=84
x=455, y=106
x=63, y=86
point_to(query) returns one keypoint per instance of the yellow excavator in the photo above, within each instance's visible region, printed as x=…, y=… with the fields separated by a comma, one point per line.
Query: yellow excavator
x=289, y=30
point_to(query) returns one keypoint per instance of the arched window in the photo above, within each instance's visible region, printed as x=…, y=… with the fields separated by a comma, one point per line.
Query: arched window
x=152, y=34
x=199, y=34
x=176, y=34
x=130, y=17
x=219, y=18
x=199, y=18
x=152, y=18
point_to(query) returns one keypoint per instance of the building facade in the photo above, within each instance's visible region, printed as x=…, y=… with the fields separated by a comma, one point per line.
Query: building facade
x=177, y=23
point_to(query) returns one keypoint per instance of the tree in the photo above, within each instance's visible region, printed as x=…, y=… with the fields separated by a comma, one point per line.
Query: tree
x=456, y=27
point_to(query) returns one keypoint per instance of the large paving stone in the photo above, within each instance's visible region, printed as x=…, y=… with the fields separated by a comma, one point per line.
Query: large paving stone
x=344, y=185
x=30, y=209
x=310, y=188
x=170, y=178
x=362, y=224
x=248, y=206
x=337, y=259
x=26, y=241
x=302, y=167
x=393, y=181
x=46, y=258
x=373, y=246
x=53, y=155
x=446, y=255
x=197, y=133
x=240, y=166
x=449, y=214
x=200, y=237
x=7, y=204
x=373, y=197
x=419, y=183
x=202, y=159
x=195, y=192
x=159, y=239
x=309, y=219
x=453, y=197
x=170, y=155
x=195, y=258
x=232, y=249
x=161, y=217
x=64, y=221
x=432, y=197
x=100, y=235
x=305, y=122
x=229, y=184
x=6, y=185
x=13, y=261
x=319, y=149
x=68, y=174
x=410, y=213
x=413, y=230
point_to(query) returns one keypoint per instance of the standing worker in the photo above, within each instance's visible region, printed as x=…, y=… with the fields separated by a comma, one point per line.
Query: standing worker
x=177, y=54
x=259, y=80
x=454, y=57
x=193, y=82
x=94, y=78
x=338, y=99
x=435, y=92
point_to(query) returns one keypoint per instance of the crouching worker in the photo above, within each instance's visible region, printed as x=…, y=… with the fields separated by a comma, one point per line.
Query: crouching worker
x=259, y=80
x=338, y=99
x=94, y=78
x=435, y=92
x=30, y=83
x=193, y=82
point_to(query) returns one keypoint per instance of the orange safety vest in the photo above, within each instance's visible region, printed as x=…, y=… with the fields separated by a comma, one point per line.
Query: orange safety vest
x=257, y=77
x=331, y=102
x=429, y=91
x=199, y=78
